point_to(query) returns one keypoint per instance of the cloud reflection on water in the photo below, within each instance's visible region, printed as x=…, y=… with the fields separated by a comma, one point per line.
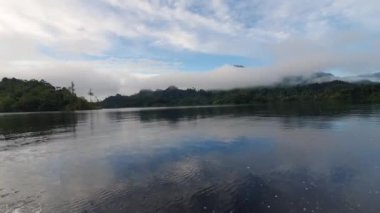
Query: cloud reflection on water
x=240, y=159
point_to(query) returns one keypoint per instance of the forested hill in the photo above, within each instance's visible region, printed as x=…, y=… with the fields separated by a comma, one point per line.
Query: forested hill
x=334, y=91
x=19, y=95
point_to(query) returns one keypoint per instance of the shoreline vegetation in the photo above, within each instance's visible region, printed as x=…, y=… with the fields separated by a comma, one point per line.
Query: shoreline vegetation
x=333, y=92
x=33, y=96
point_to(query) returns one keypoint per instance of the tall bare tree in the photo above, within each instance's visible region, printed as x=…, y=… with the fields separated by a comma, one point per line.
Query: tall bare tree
x=90, y=93
x=72, y=88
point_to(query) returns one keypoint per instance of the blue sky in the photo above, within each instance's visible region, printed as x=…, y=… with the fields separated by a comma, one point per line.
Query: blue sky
x=122, y=46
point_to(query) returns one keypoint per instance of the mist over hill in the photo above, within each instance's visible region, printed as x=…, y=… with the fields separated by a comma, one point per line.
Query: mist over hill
x=319, y=77
x=322, y=77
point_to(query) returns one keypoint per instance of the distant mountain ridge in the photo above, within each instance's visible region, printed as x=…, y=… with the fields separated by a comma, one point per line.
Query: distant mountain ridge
x=319, y=77
x=322, y=77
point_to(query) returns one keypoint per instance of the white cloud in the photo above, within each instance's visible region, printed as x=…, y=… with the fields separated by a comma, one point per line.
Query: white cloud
x=50, y=39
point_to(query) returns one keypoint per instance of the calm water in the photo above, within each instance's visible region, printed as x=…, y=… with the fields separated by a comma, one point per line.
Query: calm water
x=209, y=159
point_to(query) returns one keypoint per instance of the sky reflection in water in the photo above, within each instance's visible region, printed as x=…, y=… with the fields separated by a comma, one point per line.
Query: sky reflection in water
x=224, y=159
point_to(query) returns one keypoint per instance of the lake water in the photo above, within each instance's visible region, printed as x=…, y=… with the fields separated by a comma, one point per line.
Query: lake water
x=206, y=159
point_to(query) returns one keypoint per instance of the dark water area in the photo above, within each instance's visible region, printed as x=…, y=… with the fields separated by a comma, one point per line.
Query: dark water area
x=289, y=158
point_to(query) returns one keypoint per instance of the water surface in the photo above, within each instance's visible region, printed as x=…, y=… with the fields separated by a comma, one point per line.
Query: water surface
x=204, y=159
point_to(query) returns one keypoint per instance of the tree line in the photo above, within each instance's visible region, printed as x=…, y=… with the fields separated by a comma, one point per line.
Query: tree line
x=334, y=91
x=21, y=95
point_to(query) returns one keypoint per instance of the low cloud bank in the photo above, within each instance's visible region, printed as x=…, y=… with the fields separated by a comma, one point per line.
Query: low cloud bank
x=107, y=78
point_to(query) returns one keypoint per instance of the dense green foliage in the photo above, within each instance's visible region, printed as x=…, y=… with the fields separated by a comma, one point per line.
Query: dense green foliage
x=335, y=91
x=19, y=95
